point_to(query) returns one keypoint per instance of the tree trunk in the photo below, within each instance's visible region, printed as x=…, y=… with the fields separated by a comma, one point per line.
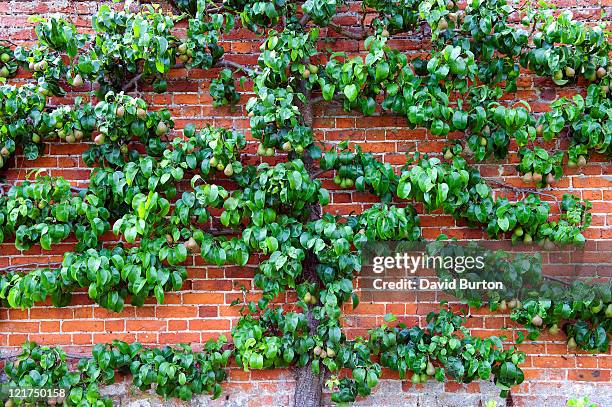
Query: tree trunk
x=308, y=387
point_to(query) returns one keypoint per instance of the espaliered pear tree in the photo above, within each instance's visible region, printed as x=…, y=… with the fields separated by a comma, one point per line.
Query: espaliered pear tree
x=277, y=211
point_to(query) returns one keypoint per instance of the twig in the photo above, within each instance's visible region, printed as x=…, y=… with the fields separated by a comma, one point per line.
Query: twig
x=557, y=280
x=9, y=41
x=518, y=189
x=14, y=183
x=132, y=83
x=319, y=173
x=29, y=266
x=78, y=189
x=12, y=356
x=223, y=232
x=235, y=65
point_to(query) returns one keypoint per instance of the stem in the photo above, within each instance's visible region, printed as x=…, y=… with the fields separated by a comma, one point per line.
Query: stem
x=522, y=190
x=132, y=83
x=319, y=173
x=15, y=183
x=235, y=65
x=29, y=266
x=519, y=189
x=557, y=280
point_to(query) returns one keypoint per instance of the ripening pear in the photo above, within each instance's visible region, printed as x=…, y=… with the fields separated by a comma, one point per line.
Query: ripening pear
x=161, y=128
x=77, y=81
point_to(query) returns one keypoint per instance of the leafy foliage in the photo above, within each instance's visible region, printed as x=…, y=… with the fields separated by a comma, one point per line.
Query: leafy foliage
x=46, y=211
x=173, y=372
x=20, y=115
x=223, y=90
x=8, y=64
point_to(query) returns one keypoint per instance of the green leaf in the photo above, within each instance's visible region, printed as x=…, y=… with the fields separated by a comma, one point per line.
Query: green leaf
x=359, y=375
x=503, y=223
x=351, y=91
x=382, y=71
x=328, y=91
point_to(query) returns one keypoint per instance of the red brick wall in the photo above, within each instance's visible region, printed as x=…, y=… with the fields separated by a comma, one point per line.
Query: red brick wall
x=201, y=310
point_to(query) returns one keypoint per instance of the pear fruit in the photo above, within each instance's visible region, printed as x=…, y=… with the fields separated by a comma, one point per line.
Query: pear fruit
x=77, y=80
x=537, y=320
x=99, y=139
x=161, y=128
x=609, y=311
x=431, y=370
x=261, y=150
x=537, y=177
x=191, y=245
